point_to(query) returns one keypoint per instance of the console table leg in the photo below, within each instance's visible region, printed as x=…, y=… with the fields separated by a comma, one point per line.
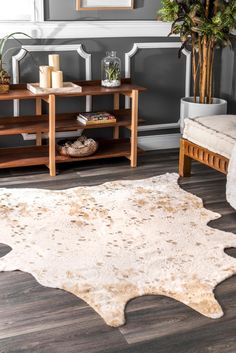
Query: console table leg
x=116, y=130
x=38, y=111
x=134, y=129
x=52, y=135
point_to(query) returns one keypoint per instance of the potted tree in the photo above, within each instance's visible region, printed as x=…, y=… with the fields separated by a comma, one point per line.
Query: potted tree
x=4, y=75
x=203, y=26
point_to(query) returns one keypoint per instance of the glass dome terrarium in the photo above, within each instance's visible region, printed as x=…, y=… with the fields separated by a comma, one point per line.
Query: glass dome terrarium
x=111, y=70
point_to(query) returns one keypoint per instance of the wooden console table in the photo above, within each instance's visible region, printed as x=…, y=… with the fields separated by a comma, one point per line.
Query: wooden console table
x=53, y=122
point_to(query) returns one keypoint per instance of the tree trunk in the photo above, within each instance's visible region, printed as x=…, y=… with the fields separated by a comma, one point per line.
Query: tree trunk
x=194, y=68
x=207, y=8
x=204, y=70
x=216, y=6
x=200, y=64
x=211, y=75
x=209, y=54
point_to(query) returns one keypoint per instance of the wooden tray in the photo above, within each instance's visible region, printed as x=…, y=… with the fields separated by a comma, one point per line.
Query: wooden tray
x=67, y=88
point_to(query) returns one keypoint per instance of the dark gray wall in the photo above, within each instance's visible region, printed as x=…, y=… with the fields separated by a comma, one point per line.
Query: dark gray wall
x=56, y=10
x=159, y=70
x=228, y=77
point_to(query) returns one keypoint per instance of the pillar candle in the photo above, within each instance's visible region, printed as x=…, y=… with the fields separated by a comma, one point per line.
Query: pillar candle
x=45, y=76
x=57, y=79
x=54, y=61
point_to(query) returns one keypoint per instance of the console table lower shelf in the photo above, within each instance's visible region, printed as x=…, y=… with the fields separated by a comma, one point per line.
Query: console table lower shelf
x=38, y=155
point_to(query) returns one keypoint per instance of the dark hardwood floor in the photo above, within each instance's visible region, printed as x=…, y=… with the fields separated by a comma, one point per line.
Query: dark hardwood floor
x=36, y=319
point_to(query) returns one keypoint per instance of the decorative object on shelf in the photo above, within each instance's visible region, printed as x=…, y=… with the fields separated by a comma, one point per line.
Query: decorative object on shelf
x=57, y=79
x=54, y=61
x=111, y=70
x=50, y=76
x=78, y=147
x=45, y=76
x=203, y=26
x=4, y=75
x=104, y=5
x=68, y=87
x=4, y=81
x=96, y=118
x=110, y=243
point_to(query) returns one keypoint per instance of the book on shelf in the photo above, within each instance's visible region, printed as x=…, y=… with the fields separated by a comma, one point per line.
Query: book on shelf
x=96, y=118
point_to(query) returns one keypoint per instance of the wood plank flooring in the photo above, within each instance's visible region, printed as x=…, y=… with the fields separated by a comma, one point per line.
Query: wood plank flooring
x=36, y=319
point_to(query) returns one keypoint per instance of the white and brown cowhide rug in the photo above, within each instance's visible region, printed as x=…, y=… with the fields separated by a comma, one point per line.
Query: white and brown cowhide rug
x=110, y=243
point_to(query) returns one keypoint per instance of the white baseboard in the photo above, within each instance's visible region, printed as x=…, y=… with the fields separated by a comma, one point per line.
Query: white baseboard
x=146, y=143
x=65, y=134
x=152, y=127
x=159, y=142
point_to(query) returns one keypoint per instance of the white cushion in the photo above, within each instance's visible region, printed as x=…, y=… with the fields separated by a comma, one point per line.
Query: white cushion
x=217, y=133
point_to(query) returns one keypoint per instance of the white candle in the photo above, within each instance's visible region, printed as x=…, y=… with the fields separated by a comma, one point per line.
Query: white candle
x=54, y=61
x=57, y=79
x=45, y=76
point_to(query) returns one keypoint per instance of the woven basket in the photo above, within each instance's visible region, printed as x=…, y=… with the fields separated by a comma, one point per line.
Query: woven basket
x=78, y=147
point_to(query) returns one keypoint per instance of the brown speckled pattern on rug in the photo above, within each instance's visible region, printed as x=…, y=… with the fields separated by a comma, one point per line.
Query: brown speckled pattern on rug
x=110, y=243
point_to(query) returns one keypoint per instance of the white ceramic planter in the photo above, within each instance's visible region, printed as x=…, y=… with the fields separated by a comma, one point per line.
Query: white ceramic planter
x=189, y=109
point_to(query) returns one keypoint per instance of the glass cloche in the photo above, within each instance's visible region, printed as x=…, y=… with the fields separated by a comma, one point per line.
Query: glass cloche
x=111, y=70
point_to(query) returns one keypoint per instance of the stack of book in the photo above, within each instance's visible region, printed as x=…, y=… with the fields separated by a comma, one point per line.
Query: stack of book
x=96, y=118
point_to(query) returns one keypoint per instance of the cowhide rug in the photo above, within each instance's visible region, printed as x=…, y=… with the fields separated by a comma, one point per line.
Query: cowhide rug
x=110, y=243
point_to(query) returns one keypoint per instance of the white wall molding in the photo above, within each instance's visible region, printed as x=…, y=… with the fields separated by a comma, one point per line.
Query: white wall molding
x=16, y=76
x=38, y=10
x=159, y=142
x=86, y=29
x=162, y=45
x=51, y=48
x=78, y=48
